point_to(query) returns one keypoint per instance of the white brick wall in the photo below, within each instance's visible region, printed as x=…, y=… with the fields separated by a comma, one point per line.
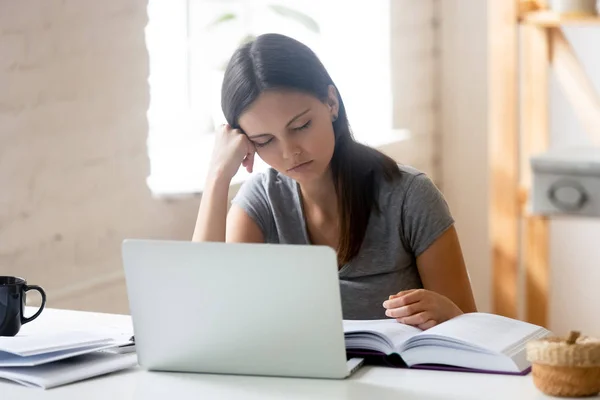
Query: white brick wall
x=73, y=161
x=415, y=71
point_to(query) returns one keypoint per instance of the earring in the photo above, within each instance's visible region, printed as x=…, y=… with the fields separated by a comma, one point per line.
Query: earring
x=334, y=118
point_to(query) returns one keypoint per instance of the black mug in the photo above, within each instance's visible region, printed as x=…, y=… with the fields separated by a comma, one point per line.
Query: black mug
x=12, y=304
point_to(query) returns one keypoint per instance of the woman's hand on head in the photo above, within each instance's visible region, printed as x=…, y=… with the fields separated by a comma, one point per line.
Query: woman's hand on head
x=420, y=308
x=232, y=149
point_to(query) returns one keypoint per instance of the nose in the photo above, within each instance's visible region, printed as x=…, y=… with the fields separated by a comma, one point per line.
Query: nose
x=290, y=149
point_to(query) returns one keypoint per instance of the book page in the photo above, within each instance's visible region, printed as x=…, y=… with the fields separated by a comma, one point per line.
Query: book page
x=394, y=331
x=488, y=331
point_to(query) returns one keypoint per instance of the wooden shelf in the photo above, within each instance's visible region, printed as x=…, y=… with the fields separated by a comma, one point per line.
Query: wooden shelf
x=519, y=128
x=551, y=19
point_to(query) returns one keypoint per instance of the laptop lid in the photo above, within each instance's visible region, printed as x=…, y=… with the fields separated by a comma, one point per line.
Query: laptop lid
x=258, y=309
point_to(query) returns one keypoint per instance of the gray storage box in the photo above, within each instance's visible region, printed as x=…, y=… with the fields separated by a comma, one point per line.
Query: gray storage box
x=566, y=181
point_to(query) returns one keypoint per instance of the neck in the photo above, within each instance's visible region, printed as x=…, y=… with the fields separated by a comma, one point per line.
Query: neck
x=319, y=196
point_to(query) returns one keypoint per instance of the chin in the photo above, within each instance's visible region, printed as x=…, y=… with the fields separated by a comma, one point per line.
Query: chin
x=314, y=173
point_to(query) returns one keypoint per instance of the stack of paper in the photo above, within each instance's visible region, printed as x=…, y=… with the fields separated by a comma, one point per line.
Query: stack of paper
x=54, y=359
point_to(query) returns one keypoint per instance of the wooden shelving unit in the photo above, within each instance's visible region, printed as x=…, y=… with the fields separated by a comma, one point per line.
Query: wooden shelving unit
x=525, y=41
x=548, y=19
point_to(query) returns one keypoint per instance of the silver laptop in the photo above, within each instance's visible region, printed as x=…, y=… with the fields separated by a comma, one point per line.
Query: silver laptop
x=252, y=309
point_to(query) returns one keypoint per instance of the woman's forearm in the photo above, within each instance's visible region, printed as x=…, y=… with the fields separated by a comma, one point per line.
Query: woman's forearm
x=212, y=214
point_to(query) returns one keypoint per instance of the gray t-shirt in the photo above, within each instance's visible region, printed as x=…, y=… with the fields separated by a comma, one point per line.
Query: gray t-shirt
x=413, y=215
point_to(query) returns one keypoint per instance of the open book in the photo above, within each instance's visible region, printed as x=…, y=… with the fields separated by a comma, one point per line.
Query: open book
x=473, y=342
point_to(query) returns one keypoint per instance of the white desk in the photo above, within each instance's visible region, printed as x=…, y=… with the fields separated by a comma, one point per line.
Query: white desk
x=368, y=383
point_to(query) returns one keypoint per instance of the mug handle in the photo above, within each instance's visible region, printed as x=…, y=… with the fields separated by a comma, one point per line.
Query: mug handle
x=25, y=320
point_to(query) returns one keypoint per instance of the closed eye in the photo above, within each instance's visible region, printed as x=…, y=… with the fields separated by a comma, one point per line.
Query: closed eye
x=305, y=126
x=257, y=144
x=300, y=128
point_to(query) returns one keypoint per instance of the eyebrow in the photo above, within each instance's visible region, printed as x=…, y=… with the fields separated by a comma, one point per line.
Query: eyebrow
x=288, y=124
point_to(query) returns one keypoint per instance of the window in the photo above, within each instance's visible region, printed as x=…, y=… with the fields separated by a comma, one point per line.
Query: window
x=190, y=42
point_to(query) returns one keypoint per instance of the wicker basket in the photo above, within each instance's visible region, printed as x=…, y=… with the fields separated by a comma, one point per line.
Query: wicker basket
x=566, y=367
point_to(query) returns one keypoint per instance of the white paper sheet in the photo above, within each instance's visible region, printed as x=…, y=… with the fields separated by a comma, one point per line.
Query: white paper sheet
x=69, y=370
x=41, y=343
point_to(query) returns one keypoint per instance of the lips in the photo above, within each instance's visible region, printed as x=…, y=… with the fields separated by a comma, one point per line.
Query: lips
x=299, y=166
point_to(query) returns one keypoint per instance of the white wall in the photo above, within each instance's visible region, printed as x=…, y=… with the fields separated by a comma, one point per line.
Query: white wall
x=415, y=73
x=73, y=158
x=574, y=244
x=464, y=171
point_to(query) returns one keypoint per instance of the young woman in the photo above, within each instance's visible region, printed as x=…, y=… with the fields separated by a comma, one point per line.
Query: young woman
x=398, y=251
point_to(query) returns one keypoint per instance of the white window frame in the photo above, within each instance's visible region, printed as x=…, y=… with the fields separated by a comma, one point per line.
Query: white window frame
x=180, y=155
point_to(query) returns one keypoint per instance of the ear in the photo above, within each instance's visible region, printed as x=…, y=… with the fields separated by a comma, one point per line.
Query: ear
x=333, y=101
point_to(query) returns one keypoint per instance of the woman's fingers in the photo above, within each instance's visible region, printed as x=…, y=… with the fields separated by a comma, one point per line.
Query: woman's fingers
x=400, y=294
x=405, y=311
x=249, y=162
x=416, y=319
x=427, y=325
x=404, y=298
x=232, y=148
x=248, y=148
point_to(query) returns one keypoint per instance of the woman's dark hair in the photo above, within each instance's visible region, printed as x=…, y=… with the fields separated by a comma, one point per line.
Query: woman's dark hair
x=274, y=61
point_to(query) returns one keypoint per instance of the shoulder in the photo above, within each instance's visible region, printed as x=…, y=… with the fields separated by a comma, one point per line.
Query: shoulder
x=411, y=192
x=408, y=179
